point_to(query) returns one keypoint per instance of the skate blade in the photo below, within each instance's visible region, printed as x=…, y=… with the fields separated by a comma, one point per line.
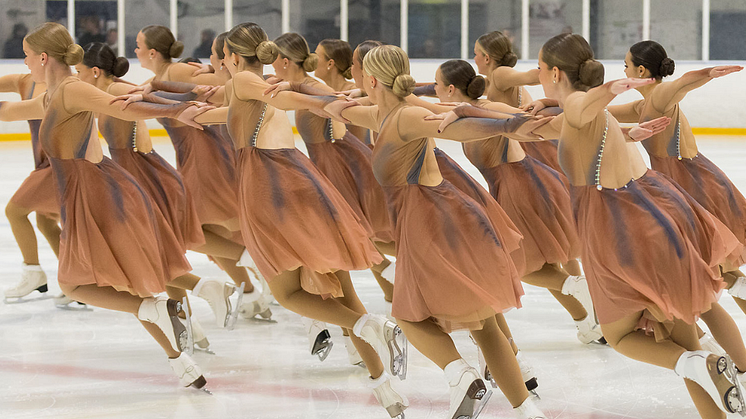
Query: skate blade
x=190, y=332
x=323, y=345
x=180, y=333
x=230, y=322
x=475, y=399
x=26, y=299
x=734, y=399
x=204, y=350
x=396, y=411
x=535, y=394
x=74, y=306
x=199, y=385
x=397, y=345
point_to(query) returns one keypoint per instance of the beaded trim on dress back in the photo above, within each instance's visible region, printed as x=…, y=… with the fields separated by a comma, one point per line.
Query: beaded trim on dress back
x=597, y=178
x=258, y=126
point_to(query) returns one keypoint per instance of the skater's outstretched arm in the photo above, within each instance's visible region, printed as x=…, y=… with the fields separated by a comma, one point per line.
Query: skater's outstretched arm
x=24, y=110
x=503, y=78
x=250, y=86
x=668, y=94
x=11, y=83
x=627, y=113
x=582, y=107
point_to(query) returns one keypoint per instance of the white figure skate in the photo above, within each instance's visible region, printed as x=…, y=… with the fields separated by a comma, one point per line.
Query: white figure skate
x=716, y=375
x=189, y=373
x=391, y=400
x=528, y=410
x=387, y=340
x=217, y=293
x=469, y=395
x=63, y=302
x=33, y=279
x=352, y=354
x=588, y=329
x=164, y=313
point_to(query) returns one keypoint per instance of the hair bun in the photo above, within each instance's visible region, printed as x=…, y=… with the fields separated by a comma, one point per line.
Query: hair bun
x=509, y=59
x=347, y=73
x=267, y=52
x=73, y=54
x=120, y=67
x=667, y=67
x=176, y=49
x=311, y=62
x=590, y=74
x=476, y=86
x=403, y=85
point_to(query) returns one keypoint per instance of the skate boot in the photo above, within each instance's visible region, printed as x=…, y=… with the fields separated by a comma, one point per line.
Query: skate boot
x=217, y=294
x=33, y=279
x=388, y=397
x=469, y=395
x=200, y=340
x=64, y=302
x=588, y=329
x=527, y=372
x=738, y=290
x=164, y=313
x=387, y=340
x=319, y=340
x=528, y=410
x=352, y=353
x=389, y=272
x=189, y=373
x=709, y=344
x=716, y=375
x=254, y=305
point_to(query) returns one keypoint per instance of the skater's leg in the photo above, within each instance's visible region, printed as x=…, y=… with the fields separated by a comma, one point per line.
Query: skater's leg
x=428, y=338
x=726, y=333
x=50, y=228
x=386, y=286
x=730, y=277
x=387, y=248
x=500, y=358
x=159, y=337
x=572, y=267
x=218, y=246
x=685, y=336
x=552, y=277
x=185, y=282
x=503, y=325
x=238, y=274
x=351, y=301
x=23, y=232
x=622, y=336
x=288, y=292
x=104, y=297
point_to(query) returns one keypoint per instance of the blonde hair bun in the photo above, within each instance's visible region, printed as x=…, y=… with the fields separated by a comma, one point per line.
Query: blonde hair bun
x=73, y=55
x=403, y=85
x=311, y=62
x=267, y=52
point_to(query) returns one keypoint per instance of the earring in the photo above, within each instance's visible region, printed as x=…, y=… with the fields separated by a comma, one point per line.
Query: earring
x=554, y=81
x=285, y=67
x=95, y=76
x=42, y=64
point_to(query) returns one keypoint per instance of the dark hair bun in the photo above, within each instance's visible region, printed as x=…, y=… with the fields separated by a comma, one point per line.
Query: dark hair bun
x=509, y=59
x=120, y=67
x=176, y=49
x=667, y=67
x=590, y=74
x=475, y=87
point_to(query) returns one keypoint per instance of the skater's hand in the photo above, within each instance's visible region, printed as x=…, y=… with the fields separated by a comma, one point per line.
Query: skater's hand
x=144, y=89
x=204, y=92
x=273, y=80
x=447, y=119
x=201, y=69
x=334, y=109
x=350, y=94
x=127, y=99
x=534, y=107
x=724, y=70
x=197, y=109
x=648, y=129
x=274, y=89
x=622, y=85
